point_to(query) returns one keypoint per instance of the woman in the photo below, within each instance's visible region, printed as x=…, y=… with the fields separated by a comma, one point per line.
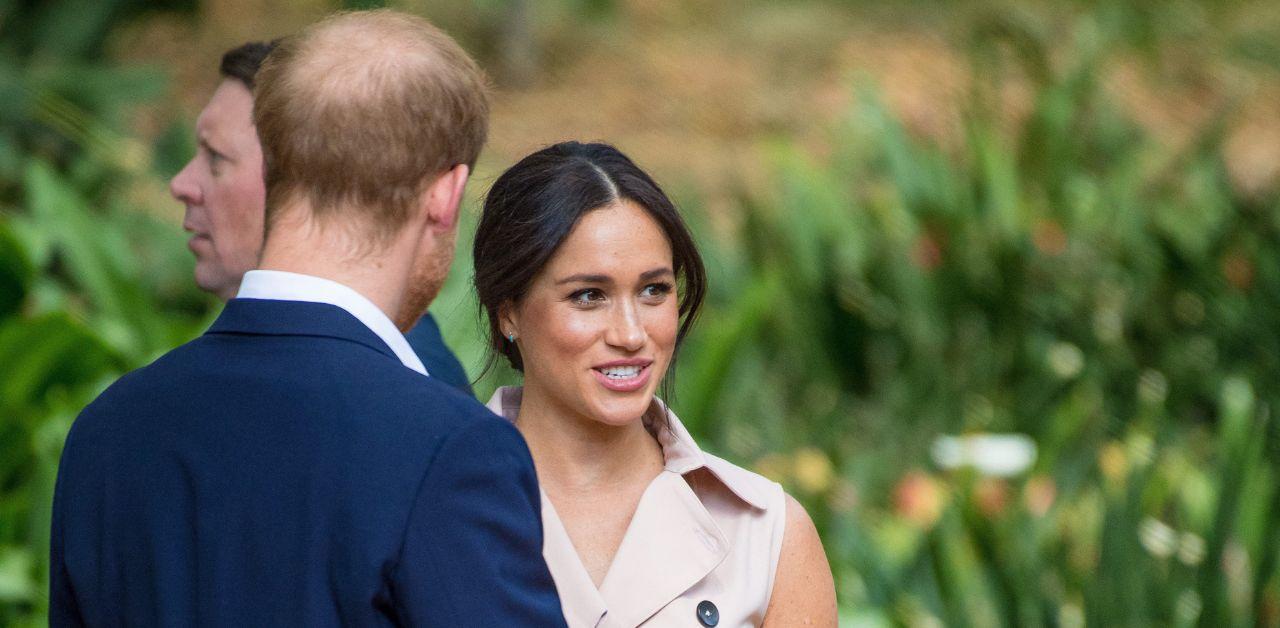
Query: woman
x=590, y=280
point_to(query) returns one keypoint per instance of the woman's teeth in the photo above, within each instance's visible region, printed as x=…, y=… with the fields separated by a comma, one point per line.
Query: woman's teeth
x=621, y=372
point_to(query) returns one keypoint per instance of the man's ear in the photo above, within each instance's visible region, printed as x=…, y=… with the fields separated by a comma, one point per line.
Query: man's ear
x=443, y=197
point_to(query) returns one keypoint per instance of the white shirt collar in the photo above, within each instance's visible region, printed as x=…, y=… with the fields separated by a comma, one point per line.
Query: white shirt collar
x=279, y=285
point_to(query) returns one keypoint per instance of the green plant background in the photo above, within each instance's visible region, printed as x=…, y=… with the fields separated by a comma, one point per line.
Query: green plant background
x=1063, y=274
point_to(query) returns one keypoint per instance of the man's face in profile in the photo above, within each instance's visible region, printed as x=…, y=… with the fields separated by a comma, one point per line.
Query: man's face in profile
x=223, y=191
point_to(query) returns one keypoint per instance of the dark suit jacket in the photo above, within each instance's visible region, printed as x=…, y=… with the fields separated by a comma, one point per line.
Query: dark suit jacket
x=435, y=354
x=285, y=469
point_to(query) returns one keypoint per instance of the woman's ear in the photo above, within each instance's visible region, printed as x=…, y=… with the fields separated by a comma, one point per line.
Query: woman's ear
x=509, y=320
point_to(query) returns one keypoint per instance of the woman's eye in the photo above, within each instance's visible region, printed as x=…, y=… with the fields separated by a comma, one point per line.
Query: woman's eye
x=655, y=290
x=586, y=297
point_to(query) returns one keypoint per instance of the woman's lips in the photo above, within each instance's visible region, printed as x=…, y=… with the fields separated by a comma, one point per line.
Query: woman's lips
x=626, y=383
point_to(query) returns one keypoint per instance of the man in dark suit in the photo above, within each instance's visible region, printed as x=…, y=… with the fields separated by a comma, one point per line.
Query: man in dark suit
x=293, y=466
x=222, y=190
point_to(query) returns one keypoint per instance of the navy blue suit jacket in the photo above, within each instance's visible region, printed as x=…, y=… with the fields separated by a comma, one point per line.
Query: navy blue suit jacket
x=285, y=469
x=441, y=363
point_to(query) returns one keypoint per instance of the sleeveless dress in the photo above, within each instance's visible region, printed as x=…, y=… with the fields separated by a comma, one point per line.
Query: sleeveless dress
x=701, y=550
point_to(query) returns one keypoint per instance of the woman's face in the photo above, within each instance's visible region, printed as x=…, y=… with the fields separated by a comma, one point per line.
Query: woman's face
x=597, y=327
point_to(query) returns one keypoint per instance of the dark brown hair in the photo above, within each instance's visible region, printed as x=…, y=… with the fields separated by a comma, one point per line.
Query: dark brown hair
x=533, y=206
x=243, y=62
x=363, y=110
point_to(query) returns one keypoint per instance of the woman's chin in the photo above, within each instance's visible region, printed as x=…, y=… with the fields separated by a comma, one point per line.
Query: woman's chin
x=620, y=412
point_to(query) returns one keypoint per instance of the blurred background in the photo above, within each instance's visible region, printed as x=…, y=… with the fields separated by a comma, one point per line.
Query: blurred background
x=995, y=286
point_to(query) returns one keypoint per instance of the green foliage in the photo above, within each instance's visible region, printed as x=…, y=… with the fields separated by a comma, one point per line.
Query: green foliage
x=82, y=305
x=1068, y=276
x=90, y=284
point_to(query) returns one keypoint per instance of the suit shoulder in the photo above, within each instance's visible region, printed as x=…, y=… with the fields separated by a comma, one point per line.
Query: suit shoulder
x=482, y=449
x=427, y=394
x=141, y=383
x=488, y=431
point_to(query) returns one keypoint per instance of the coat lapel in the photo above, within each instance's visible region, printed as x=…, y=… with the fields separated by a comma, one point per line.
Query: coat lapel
x=581, y=602
x=671, y=545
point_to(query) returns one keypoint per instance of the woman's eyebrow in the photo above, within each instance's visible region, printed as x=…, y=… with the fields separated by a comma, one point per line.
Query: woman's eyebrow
x=604, y=279
x=584, y=278
x=655, y=273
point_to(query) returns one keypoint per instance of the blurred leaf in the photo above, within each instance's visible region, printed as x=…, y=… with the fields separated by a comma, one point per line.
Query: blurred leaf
x=17, y=582
x=867, y=618
x=96, y=259
x=46, y=352
x=1259, y=47
x=16, y=271
x=71, y=28
x=55, y=204
x=702, y=380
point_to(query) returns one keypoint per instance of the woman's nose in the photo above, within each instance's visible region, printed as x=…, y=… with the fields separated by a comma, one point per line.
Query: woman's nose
x=626, y=331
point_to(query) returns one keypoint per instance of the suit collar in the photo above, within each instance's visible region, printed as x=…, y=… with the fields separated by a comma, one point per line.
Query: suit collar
x=277, y=285
x=267, y=317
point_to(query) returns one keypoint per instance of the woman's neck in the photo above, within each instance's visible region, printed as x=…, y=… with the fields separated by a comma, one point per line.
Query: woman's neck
x=575, y=454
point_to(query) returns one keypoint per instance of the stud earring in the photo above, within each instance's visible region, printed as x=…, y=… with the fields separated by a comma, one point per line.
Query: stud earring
x=511, y=338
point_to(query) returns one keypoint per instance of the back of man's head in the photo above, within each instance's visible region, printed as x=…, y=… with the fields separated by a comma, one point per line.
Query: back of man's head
x=359, y=112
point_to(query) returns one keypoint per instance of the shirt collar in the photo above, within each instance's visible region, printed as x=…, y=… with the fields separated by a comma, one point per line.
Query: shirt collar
x=278, y=285
x=680, y=453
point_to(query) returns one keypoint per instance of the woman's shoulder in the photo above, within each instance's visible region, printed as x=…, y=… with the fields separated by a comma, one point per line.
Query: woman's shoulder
x=800, y=586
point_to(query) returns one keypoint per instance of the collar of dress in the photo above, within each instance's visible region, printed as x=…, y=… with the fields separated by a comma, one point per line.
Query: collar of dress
x=670, y=545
